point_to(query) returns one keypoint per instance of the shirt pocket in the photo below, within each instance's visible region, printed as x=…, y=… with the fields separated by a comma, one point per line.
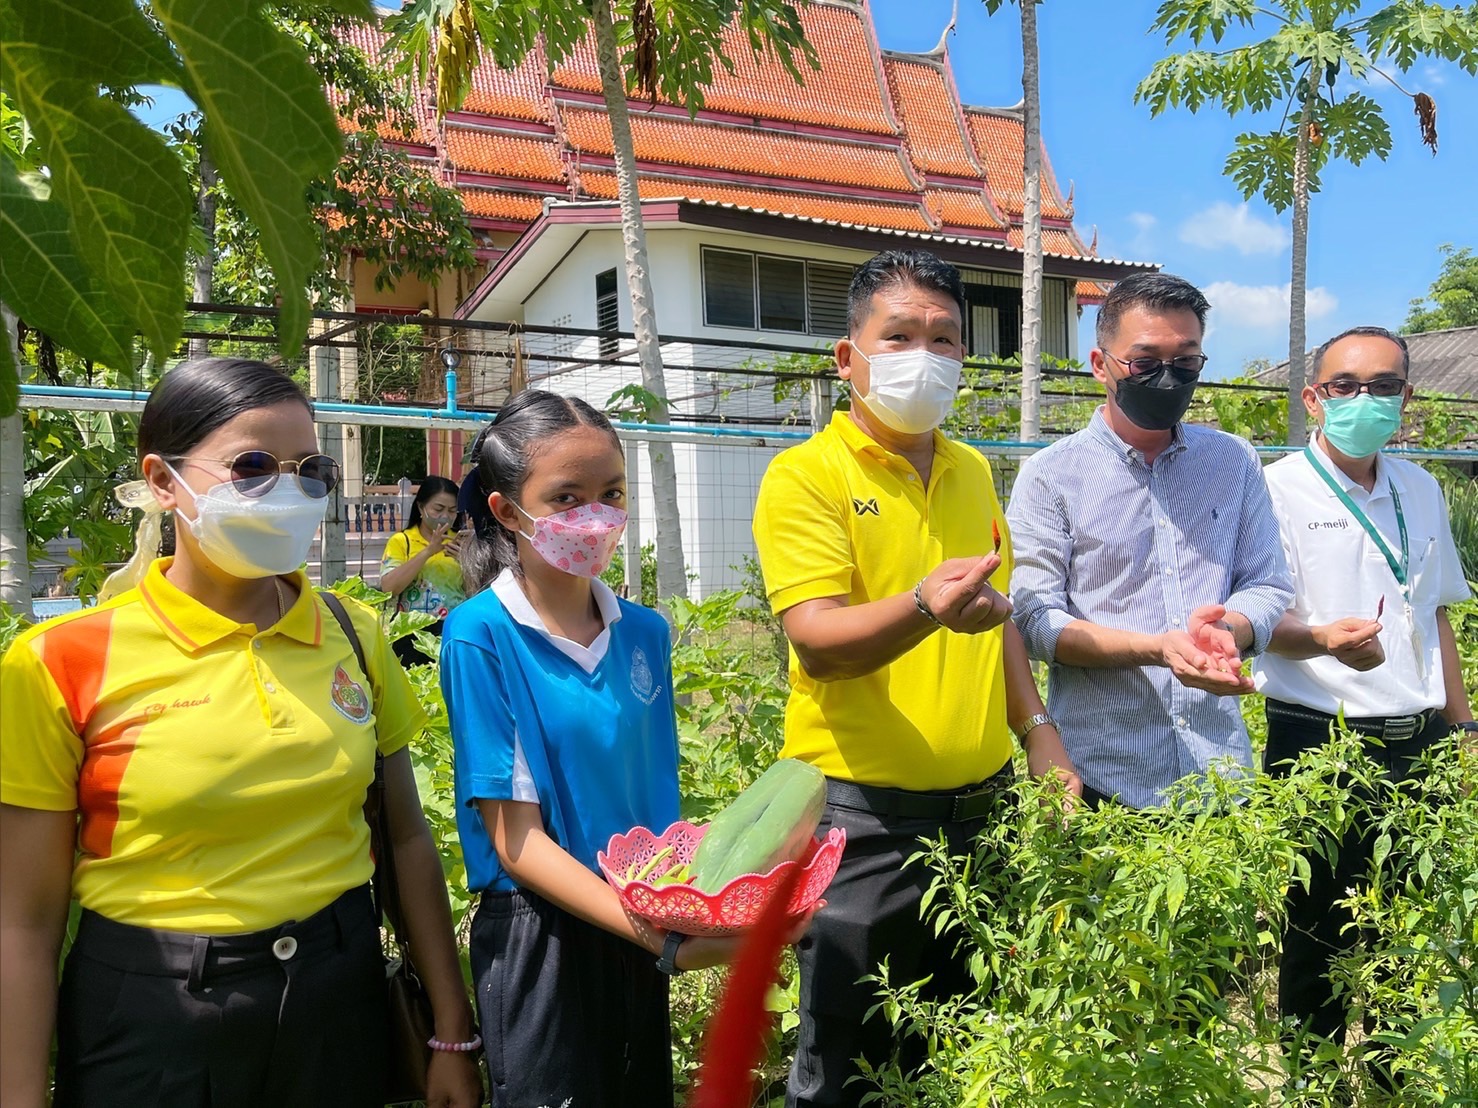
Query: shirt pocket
x=1425, y=573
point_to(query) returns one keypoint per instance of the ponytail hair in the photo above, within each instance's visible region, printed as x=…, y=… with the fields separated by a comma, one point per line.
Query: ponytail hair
x=503, y=454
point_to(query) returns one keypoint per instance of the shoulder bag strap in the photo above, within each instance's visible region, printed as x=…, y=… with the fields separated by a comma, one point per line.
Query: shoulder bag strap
x=385, y=888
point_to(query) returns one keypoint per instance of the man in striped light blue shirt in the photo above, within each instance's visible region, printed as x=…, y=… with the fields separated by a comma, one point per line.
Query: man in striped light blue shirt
x=1148, y=560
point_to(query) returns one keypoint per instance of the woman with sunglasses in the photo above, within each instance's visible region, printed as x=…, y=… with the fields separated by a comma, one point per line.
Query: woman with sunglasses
x=420, y=563
x=189, y=760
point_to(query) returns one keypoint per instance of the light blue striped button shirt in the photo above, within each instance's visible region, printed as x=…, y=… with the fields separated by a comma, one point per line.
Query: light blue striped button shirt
x=1100, y=536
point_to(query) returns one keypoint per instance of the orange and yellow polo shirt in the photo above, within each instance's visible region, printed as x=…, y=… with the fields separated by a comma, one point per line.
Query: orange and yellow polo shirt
x=218, y=771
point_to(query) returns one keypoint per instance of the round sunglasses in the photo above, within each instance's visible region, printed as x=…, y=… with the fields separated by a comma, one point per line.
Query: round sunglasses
x=255, y=472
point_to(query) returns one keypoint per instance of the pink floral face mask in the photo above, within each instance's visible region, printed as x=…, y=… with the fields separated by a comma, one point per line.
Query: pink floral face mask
x=581, y=540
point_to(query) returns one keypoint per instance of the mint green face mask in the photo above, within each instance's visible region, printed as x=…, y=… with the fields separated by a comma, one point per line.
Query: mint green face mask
x=1358, y=426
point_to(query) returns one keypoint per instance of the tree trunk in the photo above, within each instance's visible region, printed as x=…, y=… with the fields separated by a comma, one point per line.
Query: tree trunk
x=672, y=577
x=1031, y=219
x=1298, y=287
x=205, y=264
x=15, y=559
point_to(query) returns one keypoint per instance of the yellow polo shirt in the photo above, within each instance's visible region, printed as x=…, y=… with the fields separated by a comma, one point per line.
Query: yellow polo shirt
x=218, y=771
x=841, y=516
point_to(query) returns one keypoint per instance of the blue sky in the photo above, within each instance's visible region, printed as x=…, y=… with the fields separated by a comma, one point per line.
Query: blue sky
x=1155, y=190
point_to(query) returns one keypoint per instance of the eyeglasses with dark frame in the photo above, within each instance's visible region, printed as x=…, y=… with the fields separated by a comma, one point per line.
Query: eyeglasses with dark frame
x=254, y=472
x=1143, y=367
x=1342, y=388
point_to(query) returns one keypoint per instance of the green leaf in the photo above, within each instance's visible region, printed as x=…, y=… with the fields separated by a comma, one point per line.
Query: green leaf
x=1448, y=994
x=1175, y=890
x=126, y=193
x=44, y=281
x=96, y=42
x=1380, y=851
x=269, y=130
x=1262, y=165
x=1199, y=18
x=1355, y=128
x=1414, y=29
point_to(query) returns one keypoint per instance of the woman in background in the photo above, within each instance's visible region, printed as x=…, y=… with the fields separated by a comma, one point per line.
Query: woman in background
x=420, y=563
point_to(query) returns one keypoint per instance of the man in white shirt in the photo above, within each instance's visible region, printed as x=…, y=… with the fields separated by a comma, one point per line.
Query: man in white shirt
x=1374, y=565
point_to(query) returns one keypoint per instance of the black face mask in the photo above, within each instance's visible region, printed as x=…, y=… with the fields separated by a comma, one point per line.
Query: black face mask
x=1157, y=400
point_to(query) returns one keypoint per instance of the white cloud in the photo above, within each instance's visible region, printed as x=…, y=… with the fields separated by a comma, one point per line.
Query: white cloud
x=1233, y=225
x=1142, y=221
x=1434, y=76
x=1263, y=307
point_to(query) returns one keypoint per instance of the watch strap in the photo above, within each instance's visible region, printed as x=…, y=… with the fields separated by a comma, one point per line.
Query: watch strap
x=667, y=963
x=1030, y=724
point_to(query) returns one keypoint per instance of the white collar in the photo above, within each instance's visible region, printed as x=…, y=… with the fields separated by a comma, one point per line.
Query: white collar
x=509, y=590
x=1383, y=478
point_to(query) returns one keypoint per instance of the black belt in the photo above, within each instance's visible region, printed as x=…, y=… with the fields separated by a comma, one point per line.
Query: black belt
x=1387, y=728
x=951, y=806
x=200, y=958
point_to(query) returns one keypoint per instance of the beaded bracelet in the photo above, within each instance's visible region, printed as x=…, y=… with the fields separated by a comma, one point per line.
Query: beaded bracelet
x=456, y=1048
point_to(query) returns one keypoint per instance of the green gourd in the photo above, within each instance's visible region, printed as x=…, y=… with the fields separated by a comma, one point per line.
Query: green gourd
x=770, y=822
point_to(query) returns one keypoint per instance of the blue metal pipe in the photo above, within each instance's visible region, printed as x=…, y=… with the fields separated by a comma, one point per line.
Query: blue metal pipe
x=451, y=411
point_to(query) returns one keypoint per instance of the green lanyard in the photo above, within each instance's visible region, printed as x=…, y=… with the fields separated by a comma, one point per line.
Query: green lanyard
x=1398, y=569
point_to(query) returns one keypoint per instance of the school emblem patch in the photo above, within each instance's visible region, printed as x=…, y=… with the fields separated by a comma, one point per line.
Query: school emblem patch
x=642, y=683
x=348, y=697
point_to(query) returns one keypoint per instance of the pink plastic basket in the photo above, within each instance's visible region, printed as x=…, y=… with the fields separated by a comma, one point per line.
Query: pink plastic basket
x=734, y=908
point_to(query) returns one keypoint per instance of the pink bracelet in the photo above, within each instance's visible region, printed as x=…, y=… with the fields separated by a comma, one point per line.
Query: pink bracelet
x=456, y=1048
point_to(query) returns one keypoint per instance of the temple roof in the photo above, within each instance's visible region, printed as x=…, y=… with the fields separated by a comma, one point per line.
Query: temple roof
x=846, y=93
x=933, y=126
x=874, y=139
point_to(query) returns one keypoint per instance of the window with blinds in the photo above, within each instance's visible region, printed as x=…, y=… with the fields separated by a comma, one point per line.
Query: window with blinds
x=607, y=312
x=770, y=293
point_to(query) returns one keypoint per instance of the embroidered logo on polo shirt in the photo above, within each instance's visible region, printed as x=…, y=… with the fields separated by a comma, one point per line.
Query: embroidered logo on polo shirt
x=643, y=686
x=868, y=507
x=349, y=697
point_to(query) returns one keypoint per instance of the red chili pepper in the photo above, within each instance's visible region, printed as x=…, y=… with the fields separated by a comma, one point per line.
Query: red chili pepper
x=1381, y=607
x=995, y=533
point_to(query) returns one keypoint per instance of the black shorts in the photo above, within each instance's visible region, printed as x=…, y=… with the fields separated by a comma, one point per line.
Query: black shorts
x=571, y=1014
x=290, y=1016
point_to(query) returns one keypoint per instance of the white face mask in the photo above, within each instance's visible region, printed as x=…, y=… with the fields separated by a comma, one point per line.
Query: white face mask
x=911, y=391
x=254, y=536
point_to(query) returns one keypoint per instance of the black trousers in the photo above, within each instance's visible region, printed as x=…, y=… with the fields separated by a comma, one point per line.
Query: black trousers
x=1318, y=930
x=293, y=1016
x=571, y=1014
x=872, y=914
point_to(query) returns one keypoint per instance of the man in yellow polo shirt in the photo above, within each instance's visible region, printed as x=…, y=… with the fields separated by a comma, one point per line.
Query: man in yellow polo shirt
x=886, y=555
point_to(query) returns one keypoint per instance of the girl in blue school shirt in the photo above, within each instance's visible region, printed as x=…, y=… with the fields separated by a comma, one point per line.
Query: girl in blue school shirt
x=562, y=715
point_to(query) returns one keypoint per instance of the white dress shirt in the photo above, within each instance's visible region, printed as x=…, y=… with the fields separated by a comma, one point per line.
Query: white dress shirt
x=1339, y=572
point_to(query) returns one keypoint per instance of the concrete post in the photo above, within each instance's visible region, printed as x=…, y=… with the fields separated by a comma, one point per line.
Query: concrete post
x=821, y=402
x=631, y=551
x=331, y=441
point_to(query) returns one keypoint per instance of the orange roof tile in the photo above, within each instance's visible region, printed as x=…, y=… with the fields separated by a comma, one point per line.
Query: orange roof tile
x=371, y=40
x=503, y=155
x=661, y=138
x=498, y=204
x=999, y=143
x=865, y=213
x=1090, y=292
x=1054, y=241
x=962, y=208
x=933, y=128
x=846, y=92
x=519, y=93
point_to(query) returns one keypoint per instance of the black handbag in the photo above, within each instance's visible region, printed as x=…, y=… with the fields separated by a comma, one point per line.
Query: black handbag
x=409, y=1020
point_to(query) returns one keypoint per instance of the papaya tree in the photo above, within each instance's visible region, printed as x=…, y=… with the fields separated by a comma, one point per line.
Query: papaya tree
x=1310, y=68
x=1031, y=221
x=642, y=47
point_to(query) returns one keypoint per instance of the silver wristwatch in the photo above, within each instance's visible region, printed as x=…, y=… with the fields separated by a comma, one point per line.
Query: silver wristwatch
x=1032, y=724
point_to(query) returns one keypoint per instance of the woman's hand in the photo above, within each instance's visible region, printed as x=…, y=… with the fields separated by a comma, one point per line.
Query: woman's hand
x=453, y=1080
x=704, y=951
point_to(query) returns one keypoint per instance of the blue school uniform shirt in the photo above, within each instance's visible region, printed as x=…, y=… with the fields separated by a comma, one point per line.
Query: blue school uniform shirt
x=590, y=733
